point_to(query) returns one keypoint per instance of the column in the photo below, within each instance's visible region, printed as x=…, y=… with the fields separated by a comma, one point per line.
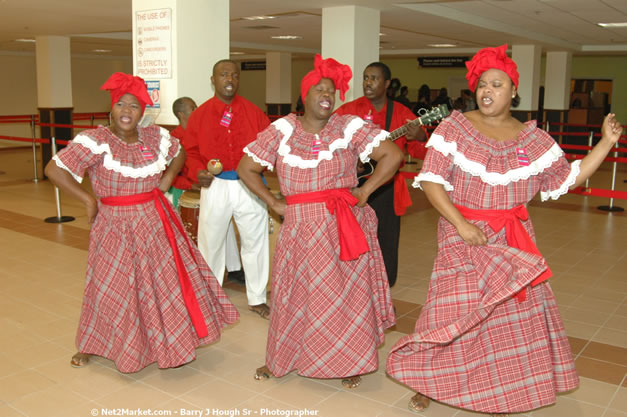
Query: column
x=54, y=88
x=198, y=38
x=350, y=34
x=278, y=83
x=527, y=57
x=557, y=86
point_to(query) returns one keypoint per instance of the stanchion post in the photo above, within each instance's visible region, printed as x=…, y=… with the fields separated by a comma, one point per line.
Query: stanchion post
x=59, y=218
x=612, y=207
x=32, y=130
x=590, y=137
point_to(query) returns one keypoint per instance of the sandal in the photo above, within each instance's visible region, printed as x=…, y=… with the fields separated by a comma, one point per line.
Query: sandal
x=418, y=403
x=262, y=374
x=79, y=360
x=262, y=309
x=351, y=382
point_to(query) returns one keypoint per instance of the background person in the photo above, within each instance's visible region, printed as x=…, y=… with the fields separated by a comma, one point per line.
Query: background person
x=219, y=129
x=149, y=296
x=330, y=298
x=489, y=337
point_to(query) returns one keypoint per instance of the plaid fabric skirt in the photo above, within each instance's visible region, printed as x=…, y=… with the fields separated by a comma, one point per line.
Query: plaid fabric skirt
x=328, y=316
x=476, y=347
x=133, y=310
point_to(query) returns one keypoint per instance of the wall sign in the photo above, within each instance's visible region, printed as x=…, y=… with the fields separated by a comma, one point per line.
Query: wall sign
x=253, y=65
x=153, y=48
x=442, y=61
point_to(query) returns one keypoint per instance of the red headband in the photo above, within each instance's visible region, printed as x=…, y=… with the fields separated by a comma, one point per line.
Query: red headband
x=119, y=84
x=488, y=58
x=340, y=74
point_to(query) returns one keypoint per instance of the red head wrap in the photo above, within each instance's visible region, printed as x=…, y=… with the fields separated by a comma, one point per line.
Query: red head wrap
x=119, y=84
x=488, y=58
x=340, y=74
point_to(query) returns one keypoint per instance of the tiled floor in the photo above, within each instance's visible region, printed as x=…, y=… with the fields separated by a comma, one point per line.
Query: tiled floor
x=41, y=281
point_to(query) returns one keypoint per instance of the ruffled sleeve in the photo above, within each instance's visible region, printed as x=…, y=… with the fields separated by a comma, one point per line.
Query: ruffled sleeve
x=439, y=161
x=556, y=179
x=264, y=149
x=75, y=158
x=173, y=144
x=362, y=137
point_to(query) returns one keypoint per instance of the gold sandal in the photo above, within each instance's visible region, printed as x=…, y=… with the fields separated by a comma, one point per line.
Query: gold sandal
x=351, y=382
x=79, y=360
x=418, y=403
x=262, y=374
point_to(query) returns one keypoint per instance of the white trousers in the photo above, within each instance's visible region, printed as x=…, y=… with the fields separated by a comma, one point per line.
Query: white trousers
x=223, y=200
x=232, y=251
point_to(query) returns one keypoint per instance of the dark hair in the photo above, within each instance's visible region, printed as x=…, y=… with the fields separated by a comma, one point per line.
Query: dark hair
x=404, y=89
x=221, y=62
x=387, y=74
x=395, y=84
x=179, y=105
x=424, y=91
x=516, y=101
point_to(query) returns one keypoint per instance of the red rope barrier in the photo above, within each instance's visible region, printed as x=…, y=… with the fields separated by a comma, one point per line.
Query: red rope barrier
x=63, y=125
x=573, y=124
x=599, y=192
x=569, y=133
x=30, y=140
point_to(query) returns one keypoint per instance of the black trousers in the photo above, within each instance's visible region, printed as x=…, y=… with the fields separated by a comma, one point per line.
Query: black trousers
x=389, y=230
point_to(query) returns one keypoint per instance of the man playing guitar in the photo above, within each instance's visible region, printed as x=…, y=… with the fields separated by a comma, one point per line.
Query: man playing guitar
x=390, y=200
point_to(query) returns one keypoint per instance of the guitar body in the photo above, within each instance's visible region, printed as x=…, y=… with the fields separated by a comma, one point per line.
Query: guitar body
x=437, y=113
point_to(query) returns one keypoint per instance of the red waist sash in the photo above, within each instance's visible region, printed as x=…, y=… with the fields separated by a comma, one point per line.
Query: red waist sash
x=352, y=239
x=515, y=233
x=191, y=303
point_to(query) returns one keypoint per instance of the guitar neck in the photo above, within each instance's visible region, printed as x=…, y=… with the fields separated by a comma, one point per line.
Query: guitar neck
x=402, y=131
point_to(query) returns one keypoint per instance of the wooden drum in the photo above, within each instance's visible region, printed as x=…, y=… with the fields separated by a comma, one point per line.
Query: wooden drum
x=189, y=207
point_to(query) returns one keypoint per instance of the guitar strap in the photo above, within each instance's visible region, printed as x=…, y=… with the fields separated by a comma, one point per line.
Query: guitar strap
x=388, y=114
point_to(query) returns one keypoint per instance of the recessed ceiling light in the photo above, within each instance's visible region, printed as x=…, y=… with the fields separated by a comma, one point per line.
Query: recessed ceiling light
x=102, y=51
x=237, y=53
x=25, y=40
x=613, y=25
x=442, y=45
x=383, y=34
x=286, y=37
x=258, y=17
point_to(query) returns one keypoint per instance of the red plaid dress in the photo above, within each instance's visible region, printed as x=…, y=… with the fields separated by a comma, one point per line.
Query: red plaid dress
x=133, y=310
x=328, y=316
x=475, y=346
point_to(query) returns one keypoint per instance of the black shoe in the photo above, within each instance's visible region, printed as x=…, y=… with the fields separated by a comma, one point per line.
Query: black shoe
x=237, y=276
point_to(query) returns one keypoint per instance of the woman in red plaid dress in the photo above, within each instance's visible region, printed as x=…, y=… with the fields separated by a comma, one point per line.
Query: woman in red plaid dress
x=149, y=295
x=330, y=296
x=490, y=337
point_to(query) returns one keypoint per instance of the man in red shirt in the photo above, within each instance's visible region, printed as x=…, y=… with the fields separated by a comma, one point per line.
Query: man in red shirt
x=373, y=107
x=220, y=129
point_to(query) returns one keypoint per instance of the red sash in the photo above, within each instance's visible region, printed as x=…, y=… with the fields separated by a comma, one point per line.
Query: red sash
x=352, y=239
x=191, y=303
x=515, y=233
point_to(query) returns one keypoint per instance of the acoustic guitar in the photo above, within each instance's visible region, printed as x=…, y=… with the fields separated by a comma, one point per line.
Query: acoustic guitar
x=430, y=116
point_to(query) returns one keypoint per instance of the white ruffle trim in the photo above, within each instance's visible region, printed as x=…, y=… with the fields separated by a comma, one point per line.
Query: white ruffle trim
x=111, y=164
x=476, y=169
x=61, y=165
x=353, y=126
x=258, y=160
x=570, y=180
x=376, y=141
x=431, y=177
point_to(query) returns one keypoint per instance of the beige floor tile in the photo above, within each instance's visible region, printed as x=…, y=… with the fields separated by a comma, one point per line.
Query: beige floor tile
x=580, y=330
x=263, y=405
x=22, y=383
x=435, y=408
x=565, y=407
x=177, y=381
x=593, y=392
x=616, y=322
x=8, y=411
x=611, y=337
x=38, y=404
x=347, y=404
x=135, y=395
x=614, y=413
x=302, y=392
x=217, y=393
x=620, y=400
x=84, y=409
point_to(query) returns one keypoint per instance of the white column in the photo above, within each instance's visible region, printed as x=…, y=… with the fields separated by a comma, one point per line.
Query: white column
x=557, y=80
x=199, y=38
x=54, y=72
x=278, y=78
x=350, y=34
x=527, y=57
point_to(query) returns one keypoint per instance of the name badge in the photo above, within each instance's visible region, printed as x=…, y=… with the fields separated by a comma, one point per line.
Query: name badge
x=227, y=117
x=146, y=153
x=315, y=147
x=369, y=117
x=523, y=159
